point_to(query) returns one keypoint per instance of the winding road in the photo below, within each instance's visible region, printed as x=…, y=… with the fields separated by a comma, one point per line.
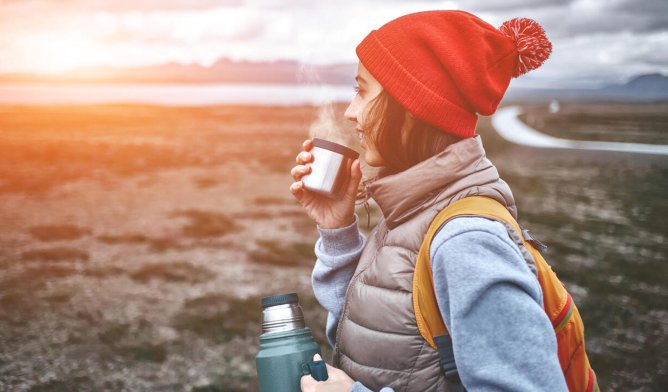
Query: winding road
x=508, y=125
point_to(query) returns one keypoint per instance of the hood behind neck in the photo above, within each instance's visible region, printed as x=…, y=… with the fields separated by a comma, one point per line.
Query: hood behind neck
x=460, y=170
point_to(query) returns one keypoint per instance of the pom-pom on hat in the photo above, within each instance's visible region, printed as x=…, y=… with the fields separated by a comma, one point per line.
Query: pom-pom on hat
x=445, y=67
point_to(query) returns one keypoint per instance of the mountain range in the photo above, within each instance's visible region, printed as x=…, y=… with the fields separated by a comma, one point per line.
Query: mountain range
x=646, y=87
x=640, y=88
x=222, y=71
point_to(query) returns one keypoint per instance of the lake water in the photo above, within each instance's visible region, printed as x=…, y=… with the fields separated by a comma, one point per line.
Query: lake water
x=173, y=94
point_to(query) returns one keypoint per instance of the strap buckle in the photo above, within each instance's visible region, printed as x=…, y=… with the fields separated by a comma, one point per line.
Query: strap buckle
x=542, y=248
x=447, y=356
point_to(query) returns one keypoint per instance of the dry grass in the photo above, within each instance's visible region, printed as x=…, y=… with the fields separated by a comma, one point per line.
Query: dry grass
x=50, y=145
x=131, y=238
x=121, y=170
x=77, y=383
x=219, y=317
x=225, y=172
x=256, y=215
x=275, y=252
x=206, y=223
x=132, y=342
x=205, y=182
x=59, y=232
x=55, y=254
x=175, y=272
x=273, y=200
x=59, y=296
x=645, y=123
x=19, y=293
x=102, y=272
x=165, y=243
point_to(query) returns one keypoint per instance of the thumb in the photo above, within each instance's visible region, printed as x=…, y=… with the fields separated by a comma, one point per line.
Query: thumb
x=355, y=170
x=329, y=367
x=355, y=177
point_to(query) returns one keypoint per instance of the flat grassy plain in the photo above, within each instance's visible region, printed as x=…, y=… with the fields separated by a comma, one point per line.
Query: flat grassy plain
x=137, y=241
x=630, y=123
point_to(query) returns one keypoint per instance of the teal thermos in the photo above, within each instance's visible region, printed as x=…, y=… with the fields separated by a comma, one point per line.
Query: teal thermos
x=286, y=346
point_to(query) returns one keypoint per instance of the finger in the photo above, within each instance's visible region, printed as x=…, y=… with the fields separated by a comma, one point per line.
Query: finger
x=299, y=171
x=317, y=357
x=297, y=188
x=355, y=177
x=356, y=170
x=330, y=369
x=304, y=157
x=307, y=382
x=307, y=145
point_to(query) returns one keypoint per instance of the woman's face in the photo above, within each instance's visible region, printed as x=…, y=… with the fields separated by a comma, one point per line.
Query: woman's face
x=367, y=89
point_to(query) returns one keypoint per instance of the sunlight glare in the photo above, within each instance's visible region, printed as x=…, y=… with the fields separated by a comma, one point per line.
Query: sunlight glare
x=56, y=52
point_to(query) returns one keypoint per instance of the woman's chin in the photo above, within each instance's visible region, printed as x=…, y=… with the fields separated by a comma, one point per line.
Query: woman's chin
x=370, y=160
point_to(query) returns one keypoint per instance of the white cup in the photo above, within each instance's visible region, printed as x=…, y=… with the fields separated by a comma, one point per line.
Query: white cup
x=330, y=168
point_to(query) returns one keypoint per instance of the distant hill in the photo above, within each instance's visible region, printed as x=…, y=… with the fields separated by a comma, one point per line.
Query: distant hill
x=649, y=84
x=642, y=88
x=223, y=71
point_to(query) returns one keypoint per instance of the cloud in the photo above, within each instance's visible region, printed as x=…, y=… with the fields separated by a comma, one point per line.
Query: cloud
x=596, y=60
x=593, y=17
x=124, y=5
x=594, y=40
x=509, y=5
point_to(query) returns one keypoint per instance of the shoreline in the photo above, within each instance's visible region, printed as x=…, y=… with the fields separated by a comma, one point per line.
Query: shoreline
x=195, y=95
x=508, y=125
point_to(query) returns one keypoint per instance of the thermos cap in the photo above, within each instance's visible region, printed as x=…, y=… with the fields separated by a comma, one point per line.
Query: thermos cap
x=280, y=299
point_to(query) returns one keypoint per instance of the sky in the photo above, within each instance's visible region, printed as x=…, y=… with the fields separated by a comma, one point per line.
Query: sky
x=595, y=42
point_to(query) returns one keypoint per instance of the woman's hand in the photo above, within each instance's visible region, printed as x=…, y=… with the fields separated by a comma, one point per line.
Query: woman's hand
x=337, y=381
x=327, y=213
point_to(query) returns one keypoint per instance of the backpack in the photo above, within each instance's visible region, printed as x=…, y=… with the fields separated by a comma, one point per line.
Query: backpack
x=557, y=302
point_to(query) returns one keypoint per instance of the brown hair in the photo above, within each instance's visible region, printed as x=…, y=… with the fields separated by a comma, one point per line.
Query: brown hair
x=399, y=148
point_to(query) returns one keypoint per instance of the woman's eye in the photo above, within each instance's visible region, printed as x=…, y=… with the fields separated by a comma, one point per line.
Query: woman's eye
x=357, y=89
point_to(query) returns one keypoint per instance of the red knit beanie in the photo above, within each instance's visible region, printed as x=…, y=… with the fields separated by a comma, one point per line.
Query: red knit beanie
x=444, y=67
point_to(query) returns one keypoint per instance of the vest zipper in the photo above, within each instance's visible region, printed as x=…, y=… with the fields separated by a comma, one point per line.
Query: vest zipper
x=365, y=202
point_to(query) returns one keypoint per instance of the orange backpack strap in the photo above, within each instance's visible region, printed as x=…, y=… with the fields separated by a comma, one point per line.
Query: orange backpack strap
x=427, y=314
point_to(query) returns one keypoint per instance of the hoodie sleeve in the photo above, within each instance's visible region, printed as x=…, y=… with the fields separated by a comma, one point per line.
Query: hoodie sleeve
x=338, y=252
x=491, y=303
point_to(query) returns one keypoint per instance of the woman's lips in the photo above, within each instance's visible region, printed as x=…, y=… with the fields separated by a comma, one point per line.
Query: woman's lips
x=360, y=134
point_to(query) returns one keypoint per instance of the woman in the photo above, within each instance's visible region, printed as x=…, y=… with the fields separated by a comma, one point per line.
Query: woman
x=423, y=78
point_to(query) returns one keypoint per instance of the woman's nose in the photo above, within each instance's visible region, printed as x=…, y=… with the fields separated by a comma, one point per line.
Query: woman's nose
x=350, y=113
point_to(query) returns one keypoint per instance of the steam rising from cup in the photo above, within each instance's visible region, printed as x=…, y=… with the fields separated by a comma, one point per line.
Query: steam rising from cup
x=326, y=125
x=330, y=168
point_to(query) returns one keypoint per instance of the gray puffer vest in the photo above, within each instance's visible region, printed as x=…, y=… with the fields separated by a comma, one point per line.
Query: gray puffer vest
x=377, y=340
